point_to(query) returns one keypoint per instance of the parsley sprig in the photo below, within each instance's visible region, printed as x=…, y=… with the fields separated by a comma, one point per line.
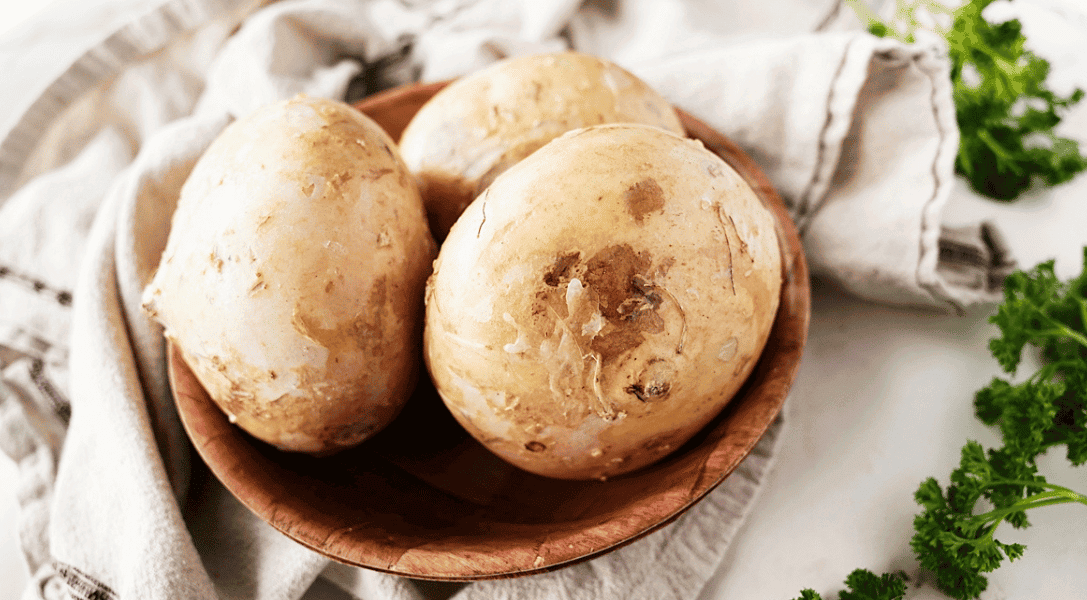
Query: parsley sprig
x=1006, y=113
x=1044, y=411
x=866, y=585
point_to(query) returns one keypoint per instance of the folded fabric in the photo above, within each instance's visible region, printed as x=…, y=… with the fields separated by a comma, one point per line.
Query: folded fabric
x=857, y=134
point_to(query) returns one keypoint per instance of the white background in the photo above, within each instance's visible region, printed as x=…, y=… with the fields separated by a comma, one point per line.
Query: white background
x=883, y=400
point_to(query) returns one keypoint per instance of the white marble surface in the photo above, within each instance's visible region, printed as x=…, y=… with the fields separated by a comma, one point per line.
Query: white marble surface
x=883, y=400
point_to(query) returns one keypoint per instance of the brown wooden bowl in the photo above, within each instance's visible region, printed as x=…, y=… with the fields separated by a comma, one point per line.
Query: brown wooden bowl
x=423, y=499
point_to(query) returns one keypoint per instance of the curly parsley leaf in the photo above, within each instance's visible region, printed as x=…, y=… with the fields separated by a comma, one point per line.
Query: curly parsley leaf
x=863, y=584
x=1006, y=113
x=1050, y=407
x=958, y=545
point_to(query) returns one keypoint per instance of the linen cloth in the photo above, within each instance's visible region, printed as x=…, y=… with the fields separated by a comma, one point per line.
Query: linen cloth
x=857, y=134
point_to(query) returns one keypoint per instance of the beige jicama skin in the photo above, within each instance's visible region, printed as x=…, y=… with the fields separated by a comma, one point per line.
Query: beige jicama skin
x=293, y=276
x=483, y=123
x=602, y=301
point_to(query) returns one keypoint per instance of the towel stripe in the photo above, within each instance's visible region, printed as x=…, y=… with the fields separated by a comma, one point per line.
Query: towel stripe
x=62, y=297
x=82, y=586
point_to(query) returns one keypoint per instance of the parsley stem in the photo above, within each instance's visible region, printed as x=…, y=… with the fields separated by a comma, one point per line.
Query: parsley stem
x=1057, y=328
x=1072, y=334
x=1082, y=311
x=1038, y=484
x=999, y=151
x=998, y=516
x=1058, y=495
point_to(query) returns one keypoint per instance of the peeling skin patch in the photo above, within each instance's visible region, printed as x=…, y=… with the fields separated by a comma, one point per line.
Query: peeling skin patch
x=373, y=174
x=258, y=283
x=644, y=197
x=364, y=332
x=560, y=269
x=728, y=350
x=384, y=240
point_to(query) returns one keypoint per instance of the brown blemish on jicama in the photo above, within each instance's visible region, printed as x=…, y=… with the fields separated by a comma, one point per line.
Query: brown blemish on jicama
x=617, y=281
x=613, y=275
x=644, y=197
x=560, y=269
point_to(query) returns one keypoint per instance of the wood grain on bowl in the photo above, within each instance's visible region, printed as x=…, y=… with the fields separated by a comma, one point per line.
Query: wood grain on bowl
x=423, y=499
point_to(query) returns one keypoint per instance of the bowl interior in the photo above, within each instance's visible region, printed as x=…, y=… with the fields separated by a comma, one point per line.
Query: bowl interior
x=423, y=499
